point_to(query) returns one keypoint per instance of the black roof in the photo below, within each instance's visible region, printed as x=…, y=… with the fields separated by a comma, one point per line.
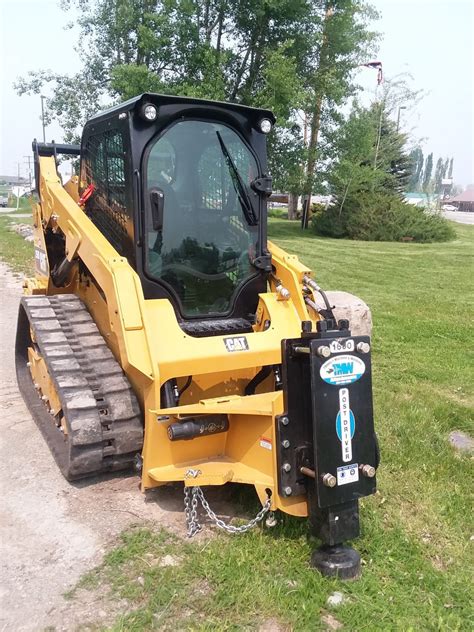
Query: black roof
x=167, y=99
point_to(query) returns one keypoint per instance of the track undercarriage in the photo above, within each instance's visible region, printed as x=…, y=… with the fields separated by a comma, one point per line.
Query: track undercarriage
x=77, y=392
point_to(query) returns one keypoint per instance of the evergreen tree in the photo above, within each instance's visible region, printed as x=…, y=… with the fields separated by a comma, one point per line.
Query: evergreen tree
x=368, y=182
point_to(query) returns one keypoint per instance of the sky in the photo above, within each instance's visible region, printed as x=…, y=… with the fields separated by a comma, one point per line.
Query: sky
x=429, y=39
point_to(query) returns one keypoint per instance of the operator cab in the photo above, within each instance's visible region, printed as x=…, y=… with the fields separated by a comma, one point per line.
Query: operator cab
x=180, y=187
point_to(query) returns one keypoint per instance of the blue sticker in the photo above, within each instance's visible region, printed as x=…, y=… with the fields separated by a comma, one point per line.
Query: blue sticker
x=352, y=424
x=345, y=425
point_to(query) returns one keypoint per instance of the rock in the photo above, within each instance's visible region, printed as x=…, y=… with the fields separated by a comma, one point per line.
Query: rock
x=461, y=441
x=331, y=622
x=25, y=230
x=140, y=580
x=336, y=599
x=272, y=625
x=350, y=307
x=169, y=560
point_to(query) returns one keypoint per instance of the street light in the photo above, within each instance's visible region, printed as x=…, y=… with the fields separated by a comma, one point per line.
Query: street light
x=42, y=117
x=400, y=107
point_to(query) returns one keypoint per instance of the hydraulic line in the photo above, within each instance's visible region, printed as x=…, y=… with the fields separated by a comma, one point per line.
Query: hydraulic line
x=314, y=286
x=186, y=385
x=258, y=379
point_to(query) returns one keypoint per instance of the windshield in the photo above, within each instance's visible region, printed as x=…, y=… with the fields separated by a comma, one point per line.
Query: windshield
x=200, y=235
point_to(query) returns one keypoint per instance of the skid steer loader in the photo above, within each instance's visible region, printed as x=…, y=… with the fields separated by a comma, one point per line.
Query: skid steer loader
x=163, y=331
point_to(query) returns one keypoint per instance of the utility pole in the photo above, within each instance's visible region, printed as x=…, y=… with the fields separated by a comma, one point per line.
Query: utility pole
x=18, y=188
x=28, y=158
x=42, y=117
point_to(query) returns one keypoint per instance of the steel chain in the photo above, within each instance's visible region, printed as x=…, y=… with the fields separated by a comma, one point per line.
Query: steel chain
x=190, y=510
x=191, y=497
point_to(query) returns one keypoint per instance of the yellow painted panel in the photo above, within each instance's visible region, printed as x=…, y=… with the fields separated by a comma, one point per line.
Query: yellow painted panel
x=127, y=299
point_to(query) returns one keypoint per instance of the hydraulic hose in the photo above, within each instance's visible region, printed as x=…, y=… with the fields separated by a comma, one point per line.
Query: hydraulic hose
x=314, y=286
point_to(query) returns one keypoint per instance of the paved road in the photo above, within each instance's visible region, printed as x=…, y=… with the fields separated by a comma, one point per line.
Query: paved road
x=460, y=217
x=11, y=212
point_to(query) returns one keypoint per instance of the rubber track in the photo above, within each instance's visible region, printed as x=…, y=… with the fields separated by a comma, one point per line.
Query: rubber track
x=102, y=414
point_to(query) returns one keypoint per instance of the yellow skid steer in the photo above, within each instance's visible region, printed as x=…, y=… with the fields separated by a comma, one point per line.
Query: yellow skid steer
x=162, y=330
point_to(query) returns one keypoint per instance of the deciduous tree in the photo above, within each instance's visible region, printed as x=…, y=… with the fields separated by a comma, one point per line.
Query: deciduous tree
x=427, y=173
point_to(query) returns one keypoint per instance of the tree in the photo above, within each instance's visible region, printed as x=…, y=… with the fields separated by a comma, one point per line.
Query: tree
x=368, y=182
x=293, y=56
x=439, y=174
x=450, y=172
x=246, y=50
x=416, y=159
x=287, y=154
x=343, y=42
x=371, y=155
x=427, y=173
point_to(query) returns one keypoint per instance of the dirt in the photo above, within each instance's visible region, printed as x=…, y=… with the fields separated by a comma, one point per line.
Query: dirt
x=52, y=532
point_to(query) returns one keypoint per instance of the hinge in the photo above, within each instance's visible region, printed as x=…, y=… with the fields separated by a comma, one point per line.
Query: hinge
x=264, y=262
x=262, y=185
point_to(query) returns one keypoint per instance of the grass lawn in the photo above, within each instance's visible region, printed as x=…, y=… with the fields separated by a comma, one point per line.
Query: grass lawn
x=17, y=252
x=416, y=542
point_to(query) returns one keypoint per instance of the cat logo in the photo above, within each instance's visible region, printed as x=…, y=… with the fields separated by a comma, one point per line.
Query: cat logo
x=238, y=343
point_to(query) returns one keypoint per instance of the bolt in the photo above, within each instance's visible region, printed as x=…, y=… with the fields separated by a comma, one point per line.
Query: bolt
x=285, y=443
x=302, y=350
x=44, y=398
x=363, y=347
x=324, y=352
x=286, y=467
x=308, y=472
x=284, y=420
x=37, y=386
x=329, y=480
x=367, y=470
x=288, y=491
x=28, y=364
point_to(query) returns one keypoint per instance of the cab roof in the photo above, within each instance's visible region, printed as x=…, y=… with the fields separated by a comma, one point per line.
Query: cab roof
x=167, y=99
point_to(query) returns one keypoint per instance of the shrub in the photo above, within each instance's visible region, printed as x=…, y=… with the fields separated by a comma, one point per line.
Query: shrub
x=381, y=217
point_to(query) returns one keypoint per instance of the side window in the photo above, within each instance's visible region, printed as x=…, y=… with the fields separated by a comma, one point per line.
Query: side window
x=162, y=164
x=104, y=166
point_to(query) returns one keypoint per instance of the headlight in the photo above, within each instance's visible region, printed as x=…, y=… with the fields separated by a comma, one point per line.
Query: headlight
x=265, y=126
x=149, y=112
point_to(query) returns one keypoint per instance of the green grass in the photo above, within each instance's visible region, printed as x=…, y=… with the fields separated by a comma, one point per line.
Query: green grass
x=416, y=530
x=415, y=543
x=14, y=250
x=24, y=205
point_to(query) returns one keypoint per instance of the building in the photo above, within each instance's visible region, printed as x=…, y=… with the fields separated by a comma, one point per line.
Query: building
x=464, y=201
x=13, y=181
